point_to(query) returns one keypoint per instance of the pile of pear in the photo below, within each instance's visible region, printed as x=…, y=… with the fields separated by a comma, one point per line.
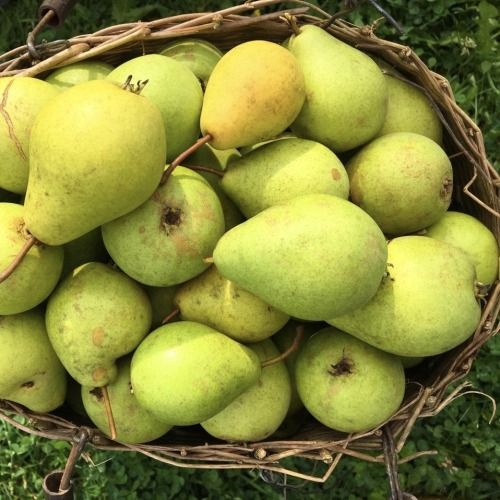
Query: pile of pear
x=315, y=216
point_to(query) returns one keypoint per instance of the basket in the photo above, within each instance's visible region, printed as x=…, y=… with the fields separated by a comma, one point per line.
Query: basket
x=476, y=185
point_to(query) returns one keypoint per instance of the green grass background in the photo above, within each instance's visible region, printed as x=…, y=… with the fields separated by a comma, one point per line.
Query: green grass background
x=458, y=39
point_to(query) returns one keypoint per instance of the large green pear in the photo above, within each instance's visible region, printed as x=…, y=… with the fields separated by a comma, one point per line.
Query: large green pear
x=186, y=372
x=174, y=89
x=96, y=152
x=217, y=302
x=21, y=99
x=346, y=91
x=37, y=274
x=307, y=257
x=259, y=411
x=403, y=180
x=253, y=94
x=281, y=170
x=30, y=373
x=425, y=306
x=164, y=241
x=79, y=72
x=473, y=237
x=133, y=423
x=347, y=384
x=95, y=316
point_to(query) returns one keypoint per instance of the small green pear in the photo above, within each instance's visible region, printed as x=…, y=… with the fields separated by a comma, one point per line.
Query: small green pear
x=79, y=72
x=93, y=128
x=37, y=274
x=30, y=373
x=473, y=237
x=253, y=94
x=174, y=89
x=21, y=99
x=133, y=423
x=259, y=411
x=217, y=302
x=403, y=180
x=426, y=304
x=185, y=372
x=347, y=384
x=306, y=257
x=95, y=316
x=346, y=92
x=281, y=170
x=164, y=241
x=162, y=302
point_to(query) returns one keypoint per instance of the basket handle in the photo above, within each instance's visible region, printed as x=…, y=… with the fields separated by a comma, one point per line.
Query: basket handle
x=59, y=8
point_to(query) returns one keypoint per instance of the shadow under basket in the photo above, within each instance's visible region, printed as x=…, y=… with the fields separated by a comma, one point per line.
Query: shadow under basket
x=475, y=192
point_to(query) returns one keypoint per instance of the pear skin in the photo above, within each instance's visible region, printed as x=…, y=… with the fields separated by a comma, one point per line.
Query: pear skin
x=79, y=72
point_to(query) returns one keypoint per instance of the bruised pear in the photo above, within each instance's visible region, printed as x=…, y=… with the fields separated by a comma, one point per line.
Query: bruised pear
x=426, y=304
x=86, y=146
x=347, y=384
x=307, y=257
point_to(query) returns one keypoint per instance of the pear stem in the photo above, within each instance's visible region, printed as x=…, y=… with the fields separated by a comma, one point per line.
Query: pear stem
x=201, y=168
x=109, y=412
x=18, y=258
x=170, y=315
x=208, y=260
x=183, y=156
x=293, y=347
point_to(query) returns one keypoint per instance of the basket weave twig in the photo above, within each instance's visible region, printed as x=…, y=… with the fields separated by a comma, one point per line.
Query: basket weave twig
x=475, y=191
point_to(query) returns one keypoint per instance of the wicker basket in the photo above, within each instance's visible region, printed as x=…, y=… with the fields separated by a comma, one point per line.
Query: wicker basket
x=476, y=184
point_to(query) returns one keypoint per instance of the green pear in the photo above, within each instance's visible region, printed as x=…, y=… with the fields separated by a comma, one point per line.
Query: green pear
x=37, y=274
x=185, y=372
x=174, y=89
x=253, y=94
x=248, y=149
x=346, y=91
x=473, y=237
x=30, y=373
x=133, y=423
x=281, y=170
x=87, y=248
x=79, y=72
x=209, y=157
x=259, y=411
x=96, y=315
x=198, y=55
x=164, y=241
x=162, y=302
x=21, y=99
x=219, y=303
x=346, y=384
x=403, y=180
x=425, y=306
x=307, y=257
x=84, y=150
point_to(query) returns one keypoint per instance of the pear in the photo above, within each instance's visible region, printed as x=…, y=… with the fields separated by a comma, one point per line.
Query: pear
x=198, y=55
x=185, y=372
x=253, y=94
x=306, y=257
x=96, y=315
x=162, y=302
x=37, y=274
x=21, y=99
x=84, y=150
x=425, y=306
x=217, y=302
x=174, y=89
x=79, y=72
x=346, y=384
x=473, y=237
x=346, y=92
x=30, y=373
x=248, y=149
x=281, y=170
x=259, y=411
x=164, y=241
x=133, y=423
x=403, y=180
